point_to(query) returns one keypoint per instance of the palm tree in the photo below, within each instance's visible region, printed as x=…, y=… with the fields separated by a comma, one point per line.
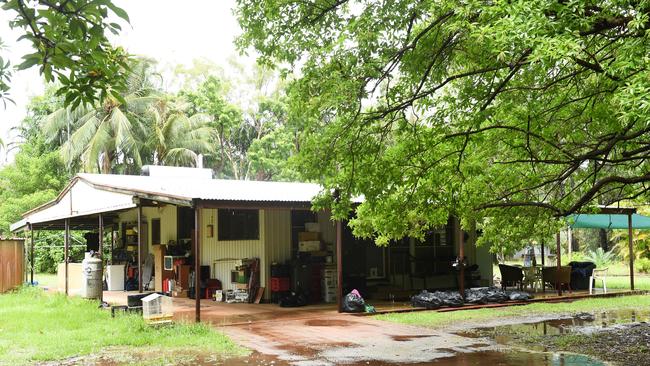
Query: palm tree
x=101, y=136
x=177, y=138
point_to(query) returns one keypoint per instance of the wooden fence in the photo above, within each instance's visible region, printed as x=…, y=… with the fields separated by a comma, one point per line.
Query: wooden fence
x=11, y=263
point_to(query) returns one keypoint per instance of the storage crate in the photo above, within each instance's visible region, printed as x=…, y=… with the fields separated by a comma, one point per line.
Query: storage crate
x=280, y=270
x=280, y=284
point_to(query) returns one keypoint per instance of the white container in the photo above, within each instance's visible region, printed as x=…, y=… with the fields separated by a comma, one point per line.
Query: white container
x=92, y=275
x=115, y=277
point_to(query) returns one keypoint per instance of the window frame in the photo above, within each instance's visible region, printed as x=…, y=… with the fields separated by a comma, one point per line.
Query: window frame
x=231, y=221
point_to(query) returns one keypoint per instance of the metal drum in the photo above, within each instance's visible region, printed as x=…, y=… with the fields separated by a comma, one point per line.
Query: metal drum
x=91, y=272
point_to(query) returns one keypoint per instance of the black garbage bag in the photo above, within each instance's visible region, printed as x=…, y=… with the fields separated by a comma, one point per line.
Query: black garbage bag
x=354, y=303
x=496, y=295
x=519, y=296
x=476, y=296
x=426, y=299
x=293, y=300
x=450, y=298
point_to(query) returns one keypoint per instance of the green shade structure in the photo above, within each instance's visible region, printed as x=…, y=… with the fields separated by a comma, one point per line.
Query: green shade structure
x=607, y=221
x=629, y=221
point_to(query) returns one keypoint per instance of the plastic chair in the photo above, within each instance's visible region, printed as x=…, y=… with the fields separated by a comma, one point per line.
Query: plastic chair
x=598, y=274
x=532, y=277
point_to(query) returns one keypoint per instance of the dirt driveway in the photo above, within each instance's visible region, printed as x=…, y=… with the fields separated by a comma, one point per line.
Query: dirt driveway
x=342, y=338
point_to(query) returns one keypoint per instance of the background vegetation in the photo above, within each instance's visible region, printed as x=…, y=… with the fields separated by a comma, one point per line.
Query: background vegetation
x=240, y=127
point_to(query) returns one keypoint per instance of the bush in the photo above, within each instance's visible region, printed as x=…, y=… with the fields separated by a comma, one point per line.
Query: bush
x=642, y=265
x=600, y=257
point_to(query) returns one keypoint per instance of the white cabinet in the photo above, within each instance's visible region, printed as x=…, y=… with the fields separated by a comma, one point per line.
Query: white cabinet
x=115, y=277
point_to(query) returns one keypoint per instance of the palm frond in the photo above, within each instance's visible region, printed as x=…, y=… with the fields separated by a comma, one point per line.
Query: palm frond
x=180, y=156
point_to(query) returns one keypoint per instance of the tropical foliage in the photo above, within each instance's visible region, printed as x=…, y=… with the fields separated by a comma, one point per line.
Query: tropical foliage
x=511, y=114
x=146, y=125
x=640, y=244
x=601, y=258
x=98, y=136
x=70, y=44
x=175, y=137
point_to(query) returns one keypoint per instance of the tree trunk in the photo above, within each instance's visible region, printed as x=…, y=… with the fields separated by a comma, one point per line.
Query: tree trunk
x=602, y=240
x=107, y=162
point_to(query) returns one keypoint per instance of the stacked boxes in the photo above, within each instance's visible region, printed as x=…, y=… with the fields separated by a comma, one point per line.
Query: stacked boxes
x=329, y=284
x=309, y=241
x=280, y=284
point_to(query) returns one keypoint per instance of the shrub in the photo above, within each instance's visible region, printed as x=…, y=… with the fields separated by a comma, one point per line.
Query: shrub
x=600, y=257
x=642, y=265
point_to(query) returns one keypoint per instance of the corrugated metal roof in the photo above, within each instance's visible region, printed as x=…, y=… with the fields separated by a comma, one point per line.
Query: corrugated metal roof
x=89, y=194
x=206, y=189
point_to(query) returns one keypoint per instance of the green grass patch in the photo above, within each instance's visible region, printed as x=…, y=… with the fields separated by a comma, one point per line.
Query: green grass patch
x=45, y=279
x=623, y=282
x=440, y=319
x=35, y=326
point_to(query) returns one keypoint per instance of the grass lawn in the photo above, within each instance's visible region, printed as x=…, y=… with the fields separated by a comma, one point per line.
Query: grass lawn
x=35, y=326
x=641, y=282
x=436, y=319
x=45, y=279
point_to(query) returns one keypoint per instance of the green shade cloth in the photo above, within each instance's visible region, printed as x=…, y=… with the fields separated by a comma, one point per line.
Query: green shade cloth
x=607, y=221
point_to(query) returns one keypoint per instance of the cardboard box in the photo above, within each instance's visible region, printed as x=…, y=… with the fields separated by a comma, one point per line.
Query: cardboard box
x=309, y=246
x=312, y=227
x=241, y=286
x=308, y=236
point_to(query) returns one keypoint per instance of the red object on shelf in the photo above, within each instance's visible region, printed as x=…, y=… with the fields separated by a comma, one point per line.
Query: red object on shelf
x=131, y=272
x=280, y=284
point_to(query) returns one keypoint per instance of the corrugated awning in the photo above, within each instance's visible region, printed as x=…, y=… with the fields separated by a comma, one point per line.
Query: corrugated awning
x=607, y=221
x=77, y=202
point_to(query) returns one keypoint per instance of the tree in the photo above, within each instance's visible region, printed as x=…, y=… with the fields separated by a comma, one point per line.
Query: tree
x=249, y=110
x=210, y=99
x=271, y=156
x=511, y=114
x=176, y=138
x=107, y=133
x=37, y=173
x=70, y=45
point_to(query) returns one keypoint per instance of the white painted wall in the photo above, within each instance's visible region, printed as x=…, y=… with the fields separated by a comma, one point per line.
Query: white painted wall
x=168, y=221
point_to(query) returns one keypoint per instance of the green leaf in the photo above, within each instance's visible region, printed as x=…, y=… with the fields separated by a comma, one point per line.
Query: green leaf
x=30, y=60
x=118, y=11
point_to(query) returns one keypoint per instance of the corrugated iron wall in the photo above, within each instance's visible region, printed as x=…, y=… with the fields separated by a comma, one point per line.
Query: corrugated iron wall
x=11, y=263
x=221, y=256
x=277, y=226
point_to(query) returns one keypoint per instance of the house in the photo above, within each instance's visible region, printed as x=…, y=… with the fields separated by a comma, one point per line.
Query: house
x=240, y=220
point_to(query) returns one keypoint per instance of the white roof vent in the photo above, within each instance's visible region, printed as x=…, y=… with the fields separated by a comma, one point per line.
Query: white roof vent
x=176, y=172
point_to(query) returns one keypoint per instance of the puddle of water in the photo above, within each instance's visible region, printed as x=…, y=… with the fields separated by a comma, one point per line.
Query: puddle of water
x=583, y=322
x=406, y=338
x=492, y=358
x=495, y=358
